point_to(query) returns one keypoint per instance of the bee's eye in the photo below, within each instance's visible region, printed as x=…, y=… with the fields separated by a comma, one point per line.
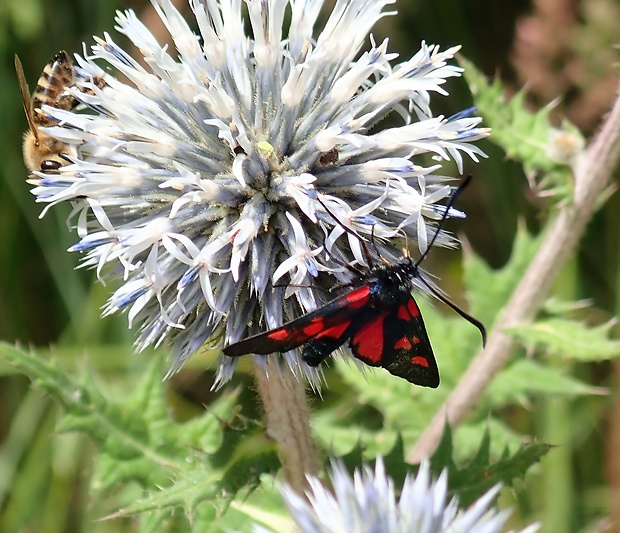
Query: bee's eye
x=50, y=164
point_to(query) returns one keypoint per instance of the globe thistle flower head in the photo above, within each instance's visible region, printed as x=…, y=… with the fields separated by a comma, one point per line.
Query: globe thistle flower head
x=202, y=171
x=367, y=503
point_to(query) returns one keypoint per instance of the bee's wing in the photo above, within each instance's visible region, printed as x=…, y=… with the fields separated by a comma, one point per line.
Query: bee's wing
x=25, y=91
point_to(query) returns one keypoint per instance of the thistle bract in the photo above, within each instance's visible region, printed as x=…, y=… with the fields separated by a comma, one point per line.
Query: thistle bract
x=200, y=165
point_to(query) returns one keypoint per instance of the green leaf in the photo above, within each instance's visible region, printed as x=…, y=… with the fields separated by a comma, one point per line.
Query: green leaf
x=203, y=462
x=569, y=339
x=526, y=376
x=376, y=406
x=215, y=486
x=527, y=137
x=481, y=473
x=467, y=437
x=476, y=478
x=442, y=458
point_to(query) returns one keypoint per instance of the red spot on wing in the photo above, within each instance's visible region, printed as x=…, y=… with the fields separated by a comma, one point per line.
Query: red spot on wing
x=335, y=331
x=416, y=340
x=403, y=313
x=403, y=344
x=357, y=298
x=303, y=329
x=413, y=307
x=368, y=341
x=278, y=335
x=420, y=361
x=317, y=324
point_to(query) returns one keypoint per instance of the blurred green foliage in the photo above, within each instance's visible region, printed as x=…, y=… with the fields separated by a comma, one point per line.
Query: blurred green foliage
x=46, y=477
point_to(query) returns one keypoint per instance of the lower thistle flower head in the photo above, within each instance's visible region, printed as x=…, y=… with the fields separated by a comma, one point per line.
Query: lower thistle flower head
x=367, y=503
x=199, y=169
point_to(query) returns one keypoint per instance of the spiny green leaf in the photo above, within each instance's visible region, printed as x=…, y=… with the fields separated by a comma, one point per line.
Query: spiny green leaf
x=163, y=521
x=184, y=493
x=342, y=436
x=119, y=430
x=558, y=307
x=46, y=374
x=477, y=477
x=138, y=441
x=205, y=432
x=393, y=460
x=527, y=137
x=481, y=473
x=525, y=377
x=216, y=486
x=455, y=342
x=461, y=446
x=376, y=408
x=569, y=339
x=483, y=455
x=467, y=437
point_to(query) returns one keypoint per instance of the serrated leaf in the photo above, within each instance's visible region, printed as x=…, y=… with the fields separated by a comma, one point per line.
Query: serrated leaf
x=569, y=339
x=526, y=376
x=344, y=436
x=476, y=478
x=138, y=441
x=162, y=522
x=467, y=437
x=481, y=473
x=216, y=486
x=527, y=137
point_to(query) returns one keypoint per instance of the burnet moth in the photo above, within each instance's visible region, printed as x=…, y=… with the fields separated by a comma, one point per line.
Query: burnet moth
x=378, y=317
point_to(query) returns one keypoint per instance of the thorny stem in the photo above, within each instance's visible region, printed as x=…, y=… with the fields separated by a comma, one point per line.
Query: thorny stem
x=288, y=421
x=592, y=174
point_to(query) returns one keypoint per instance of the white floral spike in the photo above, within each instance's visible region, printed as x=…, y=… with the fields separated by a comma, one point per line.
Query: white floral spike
x=197, y=175
x=368, y=504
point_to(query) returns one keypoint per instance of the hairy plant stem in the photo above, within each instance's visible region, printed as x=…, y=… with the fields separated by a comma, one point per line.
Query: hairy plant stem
x=592, y=174
x=288, y=421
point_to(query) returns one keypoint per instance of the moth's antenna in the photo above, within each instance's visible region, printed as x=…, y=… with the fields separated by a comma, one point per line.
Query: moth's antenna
x=450, y=203
x=452, y=305
x=433, y=290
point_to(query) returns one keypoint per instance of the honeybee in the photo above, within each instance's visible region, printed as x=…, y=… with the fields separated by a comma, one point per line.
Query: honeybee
x=42, y=152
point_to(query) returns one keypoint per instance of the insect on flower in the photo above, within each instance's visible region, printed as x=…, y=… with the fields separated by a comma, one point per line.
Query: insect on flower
x=380, y=318
x=43, y=152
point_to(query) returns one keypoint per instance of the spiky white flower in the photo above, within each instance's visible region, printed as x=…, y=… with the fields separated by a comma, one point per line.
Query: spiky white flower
x=199, y=168
x=368, y=504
